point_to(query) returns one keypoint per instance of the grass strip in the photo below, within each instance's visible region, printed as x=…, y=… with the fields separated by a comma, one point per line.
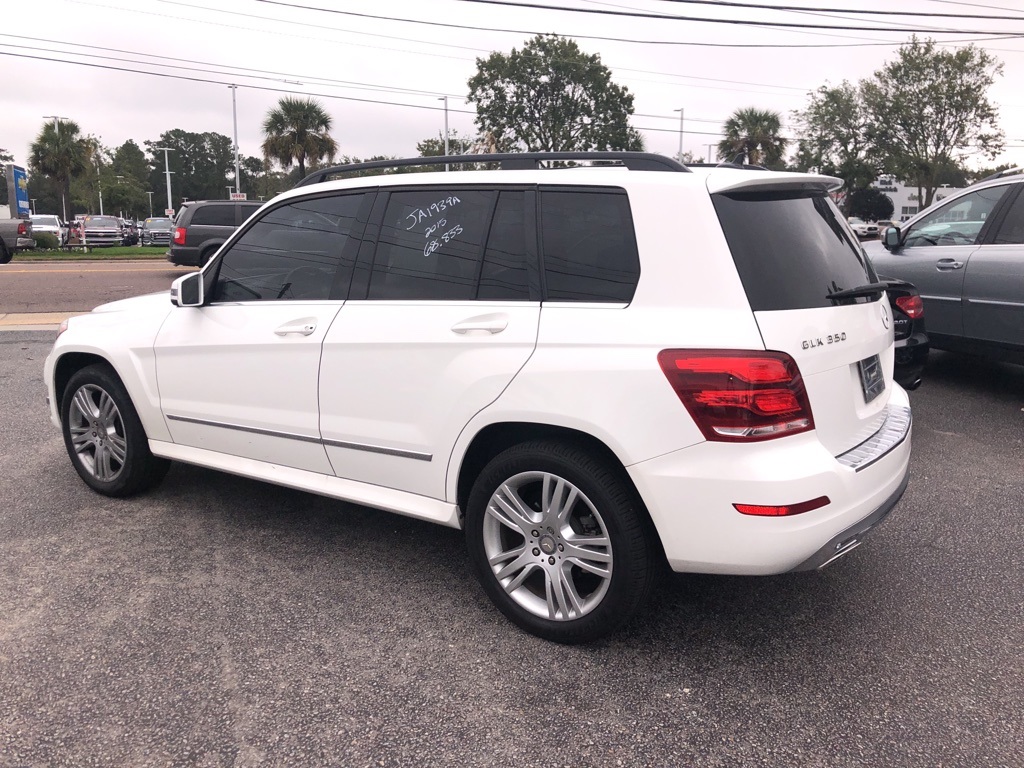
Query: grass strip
x=116, y=253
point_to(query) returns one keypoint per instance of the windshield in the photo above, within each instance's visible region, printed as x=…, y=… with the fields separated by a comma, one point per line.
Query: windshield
x=158, y=223
x=102, y=221
x=791, y=249
x=45, y=221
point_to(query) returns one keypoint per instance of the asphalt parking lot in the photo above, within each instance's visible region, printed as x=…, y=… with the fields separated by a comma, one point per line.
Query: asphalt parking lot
x=222, y=622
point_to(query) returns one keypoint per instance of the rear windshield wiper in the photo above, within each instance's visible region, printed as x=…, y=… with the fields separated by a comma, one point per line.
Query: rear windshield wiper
x=872, y=290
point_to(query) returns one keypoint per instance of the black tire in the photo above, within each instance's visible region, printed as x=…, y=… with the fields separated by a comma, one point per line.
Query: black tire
x=112, y=453
x=605, y=509
x=5, y=254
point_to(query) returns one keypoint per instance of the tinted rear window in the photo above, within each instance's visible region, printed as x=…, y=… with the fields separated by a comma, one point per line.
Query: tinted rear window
x=790, y=248
x=214, y=215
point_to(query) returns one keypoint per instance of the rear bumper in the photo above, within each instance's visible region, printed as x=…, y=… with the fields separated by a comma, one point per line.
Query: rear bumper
x=848, y=540
x=184, y=256
x=690, y=495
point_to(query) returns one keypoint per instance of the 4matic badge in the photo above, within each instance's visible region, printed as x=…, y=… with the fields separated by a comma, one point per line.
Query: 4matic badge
x=821, y=341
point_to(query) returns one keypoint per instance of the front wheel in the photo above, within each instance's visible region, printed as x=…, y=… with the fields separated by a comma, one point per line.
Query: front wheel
x=104, y=436
x=560, y=541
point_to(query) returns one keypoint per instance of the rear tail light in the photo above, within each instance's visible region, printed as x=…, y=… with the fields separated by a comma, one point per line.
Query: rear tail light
x=911, y=306
x=739, y=396
x=782, y=510
x=23, y=229
x=179, y=235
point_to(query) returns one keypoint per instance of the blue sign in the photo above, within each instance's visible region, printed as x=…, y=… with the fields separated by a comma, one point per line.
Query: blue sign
x=21, y=193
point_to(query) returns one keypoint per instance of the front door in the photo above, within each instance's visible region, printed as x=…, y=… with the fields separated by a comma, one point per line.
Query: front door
x=239, y=375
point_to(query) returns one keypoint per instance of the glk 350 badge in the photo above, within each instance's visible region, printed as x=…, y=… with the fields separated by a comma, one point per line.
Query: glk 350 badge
x=821, y=341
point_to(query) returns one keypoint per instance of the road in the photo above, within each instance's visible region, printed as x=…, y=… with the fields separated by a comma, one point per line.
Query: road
x=217, y=621
x=68, y=286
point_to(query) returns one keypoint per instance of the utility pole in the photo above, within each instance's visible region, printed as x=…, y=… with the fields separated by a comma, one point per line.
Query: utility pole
x=680, y=111
x=234, y=117
x=445, y=100
x=167, y=171
x=56, y=128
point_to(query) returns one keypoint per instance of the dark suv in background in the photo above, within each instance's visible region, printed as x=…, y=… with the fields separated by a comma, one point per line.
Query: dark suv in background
x=203, y=226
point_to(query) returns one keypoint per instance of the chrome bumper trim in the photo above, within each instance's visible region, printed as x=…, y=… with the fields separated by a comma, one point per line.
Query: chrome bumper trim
x=893, y=431
x=306, y=438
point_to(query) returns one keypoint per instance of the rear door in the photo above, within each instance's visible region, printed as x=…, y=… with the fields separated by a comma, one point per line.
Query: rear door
x=441, y=317
x=792, y=249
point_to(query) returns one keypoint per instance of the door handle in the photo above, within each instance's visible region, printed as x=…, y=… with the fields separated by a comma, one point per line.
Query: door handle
x=301, y=327
x=488, y=324
x=945, y=265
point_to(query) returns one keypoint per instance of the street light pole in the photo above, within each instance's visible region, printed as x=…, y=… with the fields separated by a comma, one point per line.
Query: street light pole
x=228, y=187
x=709, y=146
x=56, y=128
x=680, y=111
x=99, y=184
x=234, y=117
x=167, y=171
x=445, y=100
x=150, y=204
x=34, y=205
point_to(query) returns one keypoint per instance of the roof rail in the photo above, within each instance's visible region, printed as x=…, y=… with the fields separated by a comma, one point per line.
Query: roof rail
x=1001, y=174
x=510, y=161
x=742, y=167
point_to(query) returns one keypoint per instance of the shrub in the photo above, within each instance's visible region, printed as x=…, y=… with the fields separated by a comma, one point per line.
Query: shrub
x=45, y=241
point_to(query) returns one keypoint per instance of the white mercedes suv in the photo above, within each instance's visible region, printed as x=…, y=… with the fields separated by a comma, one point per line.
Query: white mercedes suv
x=593, y=371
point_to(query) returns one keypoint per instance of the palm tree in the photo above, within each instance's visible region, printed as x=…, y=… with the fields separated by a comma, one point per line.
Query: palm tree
x=296, y=130
x=59, y=152
x=753, y=133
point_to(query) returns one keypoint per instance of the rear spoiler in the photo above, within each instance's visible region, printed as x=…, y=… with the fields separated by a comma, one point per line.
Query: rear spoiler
x=727, y=180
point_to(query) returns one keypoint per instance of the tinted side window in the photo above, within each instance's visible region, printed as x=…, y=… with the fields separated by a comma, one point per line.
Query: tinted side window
x=292, y=252
x=959, y=222
x=245, y=210
x=504, y=275
x=791, y=249
x=214, y=215
x=430, y=244
x=1011, y=231
x=590, y=251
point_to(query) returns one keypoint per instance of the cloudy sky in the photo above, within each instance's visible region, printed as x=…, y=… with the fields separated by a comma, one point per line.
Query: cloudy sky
x=132, y=69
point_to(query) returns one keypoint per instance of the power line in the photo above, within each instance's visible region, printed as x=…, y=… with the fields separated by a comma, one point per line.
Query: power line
x=696, y=44
x=264, y=74
x=735, y=22
x=283, y=90
x=762, y=6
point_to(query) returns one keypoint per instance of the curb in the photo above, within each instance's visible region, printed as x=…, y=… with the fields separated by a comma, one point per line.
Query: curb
x=34, y=321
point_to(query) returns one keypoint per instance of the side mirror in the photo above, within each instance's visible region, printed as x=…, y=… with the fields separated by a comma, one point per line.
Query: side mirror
x=891, y=238
x=187, y=291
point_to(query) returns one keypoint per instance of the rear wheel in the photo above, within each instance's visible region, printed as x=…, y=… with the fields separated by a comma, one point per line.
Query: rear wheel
x=5, y=254
x=559, y=541
x=104, y=436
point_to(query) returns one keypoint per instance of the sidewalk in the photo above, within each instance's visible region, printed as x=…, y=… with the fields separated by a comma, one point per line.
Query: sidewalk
x=34, y=321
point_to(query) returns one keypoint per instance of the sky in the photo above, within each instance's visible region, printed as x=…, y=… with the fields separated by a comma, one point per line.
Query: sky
x=132, y=69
